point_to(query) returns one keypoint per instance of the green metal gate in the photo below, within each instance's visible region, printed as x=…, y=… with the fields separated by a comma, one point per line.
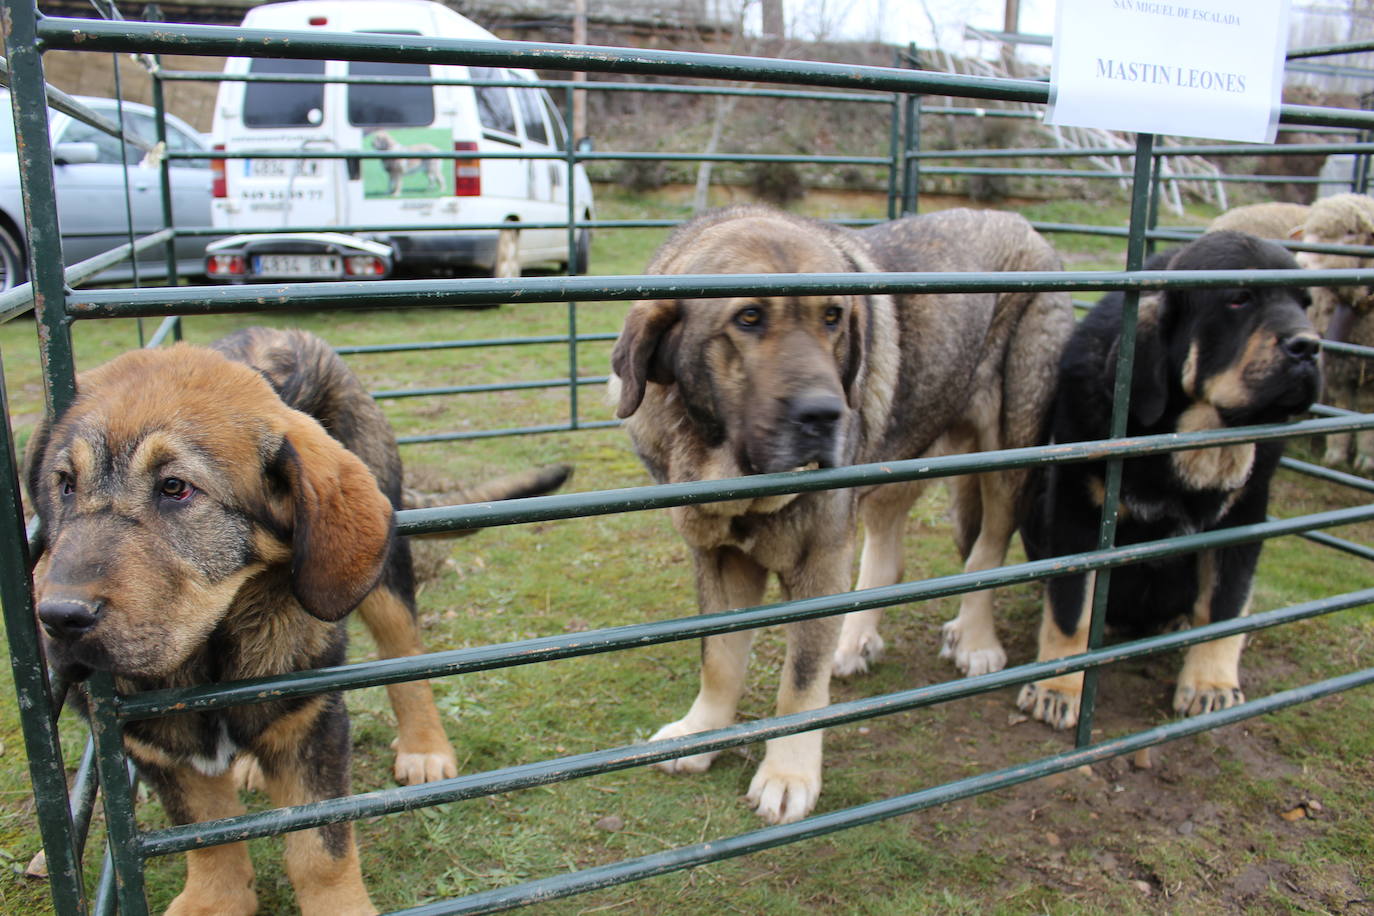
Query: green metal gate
x=65, y=813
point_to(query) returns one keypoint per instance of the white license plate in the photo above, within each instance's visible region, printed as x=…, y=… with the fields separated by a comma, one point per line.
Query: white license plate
x=297, y=265
x=283, y=168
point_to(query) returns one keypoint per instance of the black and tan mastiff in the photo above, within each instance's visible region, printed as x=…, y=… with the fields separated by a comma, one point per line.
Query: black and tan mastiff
x=211, y=514
x=721, y=388
x=1205, y=359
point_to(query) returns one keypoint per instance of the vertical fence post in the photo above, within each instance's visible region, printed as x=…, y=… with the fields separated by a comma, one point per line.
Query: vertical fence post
x=37, y=709
x=28, y=99
x=894, y=147
x=113, y=765
x=573, y=253
x=1135, y=259
x=911, y=176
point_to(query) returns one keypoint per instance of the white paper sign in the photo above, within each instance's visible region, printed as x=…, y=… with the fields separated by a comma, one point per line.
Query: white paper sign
x=1193, y=68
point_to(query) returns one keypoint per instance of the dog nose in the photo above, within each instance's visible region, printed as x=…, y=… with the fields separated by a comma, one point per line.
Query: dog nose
x=816, y=413
x=1301, y=347
x=69, y=618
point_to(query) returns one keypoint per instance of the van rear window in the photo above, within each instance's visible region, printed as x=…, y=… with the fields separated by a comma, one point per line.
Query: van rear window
x=284, y=104
x=494, y=109
x=389, y=105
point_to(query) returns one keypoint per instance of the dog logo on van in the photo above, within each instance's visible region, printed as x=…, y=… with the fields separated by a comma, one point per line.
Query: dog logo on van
x=405, y=177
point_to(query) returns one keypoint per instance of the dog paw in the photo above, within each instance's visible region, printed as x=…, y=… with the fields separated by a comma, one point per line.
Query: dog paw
x=781, y=795
x=1056, y=707
x=1194, y=700
x=411, y=768
x=695, y=763
x=971, y=656
x=1333, y=457
x=225, y=902
x=858, y=658
x=1364, y=464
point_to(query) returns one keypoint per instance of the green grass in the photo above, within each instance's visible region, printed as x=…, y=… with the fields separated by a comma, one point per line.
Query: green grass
x=1200, y=831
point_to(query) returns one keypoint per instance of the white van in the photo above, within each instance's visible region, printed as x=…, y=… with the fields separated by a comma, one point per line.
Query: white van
x=409, y=194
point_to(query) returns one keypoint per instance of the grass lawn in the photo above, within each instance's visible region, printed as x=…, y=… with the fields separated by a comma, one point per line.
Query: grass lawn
x=1209, y=827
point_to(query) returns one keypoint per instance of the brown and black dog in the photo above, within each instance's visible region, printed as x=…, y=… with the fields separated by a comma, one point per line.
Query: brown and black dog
x=212, y=514
x=1205, y=359
x=721, y=388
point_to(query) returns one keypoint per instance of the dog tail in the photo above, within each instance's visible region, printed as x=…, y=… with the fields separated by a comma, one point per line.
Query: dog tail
x=534, y=482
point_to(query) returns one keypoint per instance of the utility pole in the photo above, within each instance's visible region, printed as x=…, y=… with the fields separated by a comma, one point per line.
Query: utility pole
x=579, y=37
x=1011, y=24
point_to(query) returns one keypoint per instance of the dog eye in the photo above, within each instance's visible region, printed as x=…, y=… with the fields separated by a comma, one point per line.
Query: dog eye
x=833, y=315
x=66, y=484
x=175, y=488
x=750, y=317
x=1240, y=300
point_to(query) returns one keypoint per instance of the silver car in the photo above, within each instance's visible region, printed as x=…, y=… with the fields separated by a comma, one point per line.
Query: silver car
x=89, y=171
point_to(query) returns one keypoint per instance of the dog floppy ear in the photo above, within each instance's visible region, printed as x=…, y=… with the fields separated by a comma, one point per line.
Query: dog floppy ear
x=342, y=525
x=857, y=352
x=645, y=350
x=1149, y=371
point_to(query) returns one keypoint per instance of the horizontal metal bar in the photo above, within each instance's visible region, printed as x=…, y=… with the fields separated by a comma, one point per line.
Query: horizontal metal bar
x=489, y=387
x=593, y=85
x=475, y=227
x=406, y=798
x=1328, y=474
x=716, y=850
x=607, y=156
x=67, y=34
x=571, y=505
x=17, y=301
x=58, y=33
x=461, y=661
x=1250, y=149
x=1348, y=349
x=512, y=431
x=197, y=300
x=371, y=349
x=1332, y=50
x=1091, y=173
x=1362, y=551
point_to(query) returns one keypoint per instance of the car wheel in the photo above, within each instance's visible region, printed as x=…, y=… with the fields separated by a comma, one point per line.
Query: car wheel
x=584, y=252
x=12, y=271
x=506, y=265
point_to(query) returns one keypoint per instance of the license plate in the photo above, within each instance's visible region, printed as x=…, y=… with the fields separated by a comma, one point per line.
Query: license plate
x=297, y=265
x=283, y=168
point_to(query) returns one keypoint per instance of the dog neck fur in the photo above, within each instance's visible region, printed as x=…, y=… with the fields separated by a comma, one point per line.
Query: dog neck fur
x=1223, y=467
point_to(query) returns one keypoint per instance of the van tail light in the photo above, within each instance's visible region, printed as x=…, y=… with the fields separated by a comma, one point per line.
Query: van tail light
x=219, y=187
x=364, y=265
x=226, y=265
x=467, y=173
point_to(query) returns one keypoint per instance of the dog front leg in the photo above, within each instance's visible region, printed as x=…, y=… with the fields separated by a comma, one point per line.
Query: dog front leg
x=788, y=781
x=726, y=579
x=884, y=512
x=423, y=752
x=970, y=639
x=219, y=879
x=1210, y=678
x=1063, y=632
x=305, y=758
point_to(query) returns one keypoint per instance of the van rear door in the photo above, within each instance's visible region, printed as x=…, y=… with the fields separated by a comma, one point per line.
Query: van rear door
x=287, y=116
x=389, y=113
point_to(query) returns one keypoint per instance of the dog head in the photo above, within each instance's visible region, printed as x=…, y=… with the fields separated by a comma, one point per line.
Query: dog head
x=771, y=380
x=174, y=481
x=383, y=141
x=1241, y=354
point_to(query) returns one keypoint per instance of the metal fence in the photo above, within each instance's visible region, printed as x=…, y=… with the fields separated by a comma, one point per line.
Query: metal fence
x=65, y=812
